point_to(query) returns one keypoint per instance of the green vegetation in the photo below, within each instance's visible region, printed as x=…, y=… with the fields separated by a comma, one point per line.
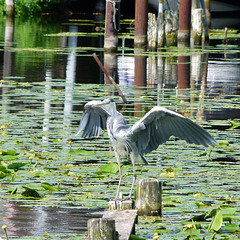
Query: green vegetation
x=29, y=7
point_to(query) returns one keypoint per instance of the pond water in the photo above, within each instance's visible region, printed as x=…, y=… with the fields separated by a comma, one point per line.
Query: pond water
x=48, y=73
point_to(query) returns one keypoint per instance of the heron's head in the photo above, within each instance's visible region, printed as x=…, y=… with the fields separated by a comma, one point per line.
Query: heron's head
x=108, y=105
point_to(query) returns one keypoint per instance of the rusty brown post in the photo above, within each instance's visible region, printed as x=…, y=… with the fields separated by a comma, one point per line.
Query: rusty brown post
x=141, y=18
x=112, y=21
x=184, y=22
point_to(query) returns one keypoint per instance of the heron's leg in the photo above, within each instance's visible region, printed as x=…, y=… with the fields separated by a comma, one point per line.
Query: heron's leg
x=134, y=178
x=120, y=174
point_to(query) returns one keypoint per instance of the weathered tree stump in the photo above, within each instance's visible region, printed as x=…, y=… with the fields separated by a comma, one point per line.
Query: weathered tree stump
x=197, y=26
x=102, y=228
x=171, y=27
x=121, y=204
x=149, y=197
x=152, y=31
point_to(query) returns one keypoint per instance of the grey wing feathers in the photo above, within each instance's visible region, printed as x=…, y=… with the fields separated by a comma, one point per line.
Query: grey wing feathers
x=160, y=123
x=93, y=121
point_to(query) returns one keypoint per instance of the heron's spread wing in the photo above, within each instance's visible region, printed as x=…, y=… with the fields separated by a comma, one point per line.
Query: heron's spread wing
x=160, y=123
x=94, y=120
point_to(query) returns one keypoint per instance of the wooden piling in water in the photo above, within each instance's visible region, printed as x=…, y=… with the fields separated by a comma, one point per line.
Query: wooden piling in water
x=121, y=204
x=160, y=30
x=141, y=17
x=197, y=26
x=184, y=23
x=152, y=31
x=112, y=21
x=102, y=228
x=149, y=197
x=171, y=27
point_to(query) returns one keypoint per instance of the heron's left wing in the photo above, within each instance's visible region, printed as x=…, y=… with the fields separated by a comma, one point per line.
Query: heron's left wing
x=94, y=120
x=160, y=123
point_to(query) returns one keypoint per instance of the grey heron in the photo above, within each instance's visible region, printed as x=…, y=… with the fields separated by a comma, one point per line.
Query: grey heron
x=143, y=137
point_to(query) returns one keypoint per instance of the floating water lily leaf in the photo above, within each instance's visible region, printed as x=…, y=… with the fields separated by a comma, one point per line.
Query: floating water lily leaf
x=109, y=168
x=16, y=166
x=9, y=157
x=82, y=152
x=31, y=192
x=48, y=186
x=217, y=221
x=231, y=227
x=4, y=172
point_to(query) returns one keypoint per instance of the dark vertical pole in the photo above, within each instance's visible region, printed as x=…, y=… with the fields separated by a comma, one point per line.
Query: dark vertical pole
x=184, y=22
x=141, y=17
x=112, y=20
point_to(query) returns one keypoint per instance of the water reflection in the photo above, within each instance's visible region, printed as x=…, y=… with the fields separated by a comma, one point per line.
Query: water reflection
x=36, y=221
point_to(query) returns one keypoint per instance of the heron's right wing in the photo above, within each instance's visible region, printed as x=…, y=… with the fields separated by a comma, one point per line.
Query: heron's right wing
x=94, y=120
x=160, y=123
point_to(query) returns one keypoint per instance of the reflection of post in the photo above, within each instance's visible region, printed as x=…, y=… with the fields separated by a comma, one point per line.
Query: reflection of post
x=110, y=64
x=7, y=58
x=196, y=61
x=140, y=69
x=70, y=77
x=152, y=70
x=8, y=43
x=47, y=105
x=183, y=72
x=170, y=73
x=200, y=111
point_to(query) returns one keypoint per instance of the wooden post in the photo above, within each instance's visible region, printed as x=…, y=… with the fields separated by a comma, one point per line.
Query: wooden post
x=121, y=204
x=184, y=23
x=102, y=228
x=160, y=30
x=112, y=21
x=149, y=197
x=125, y=221
x=141, y=17
x=171, y=27
x=197, y=26
x=152, y=31
x=10, y=7
x=208, y=12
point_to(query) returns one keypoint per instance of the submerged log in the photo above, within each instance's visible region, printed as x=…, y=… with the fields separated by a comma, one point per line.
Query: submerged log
x=149, y=197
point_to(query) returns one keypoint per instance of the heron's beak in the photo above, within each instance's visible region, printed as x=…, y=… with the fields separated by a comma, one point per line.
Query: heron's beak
x=102, y=104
